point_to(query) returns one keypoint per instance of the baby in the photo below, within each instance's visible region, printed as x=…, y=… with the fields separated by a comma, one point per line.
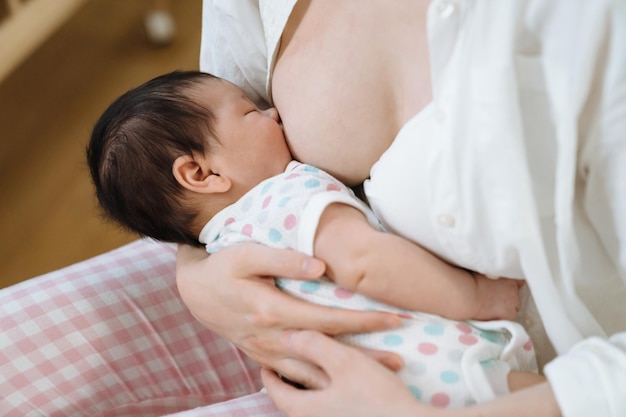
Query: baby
x=188, y=158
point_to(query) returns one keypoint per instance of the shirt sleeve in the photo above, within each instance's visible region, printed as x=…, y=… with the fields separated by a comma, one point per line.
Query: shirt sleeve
x=233, y=45
x=603, y=160
x=590, y=379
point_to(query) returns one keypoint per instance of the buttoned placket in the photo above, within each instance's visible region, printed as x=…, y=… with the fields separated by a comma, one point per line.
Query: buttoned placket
x=443, y=31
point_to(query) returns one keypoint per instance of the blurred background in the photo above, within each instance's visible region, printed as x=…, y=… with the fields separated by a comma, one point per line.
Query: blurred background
x=48, y=105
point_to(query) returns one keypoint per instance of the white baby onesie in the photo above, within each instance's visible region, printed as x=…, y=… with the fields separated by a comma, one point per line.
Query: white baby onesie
x=447, y=363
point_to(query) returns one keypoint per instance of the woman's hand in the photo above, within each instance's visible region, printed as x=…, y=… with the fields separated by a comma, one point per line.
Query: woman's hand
x=358, y=386
x=232, y=292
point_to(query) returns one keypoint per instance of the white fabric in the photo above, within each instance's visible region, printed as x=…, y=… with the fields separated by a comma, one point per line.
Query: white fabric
x=398, y=188
x=240, y=40
x=530, y=163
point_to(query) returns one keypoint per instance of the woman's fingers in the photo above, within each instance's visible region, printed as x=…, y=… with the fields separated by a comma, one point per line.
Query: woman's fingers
x=346, y=394
x=319, y=349
x=284, y=395
x=390, y=360
x=303, y=373
x=299, y=314
x=263, y=343
x=311, y=376
x=271, y=262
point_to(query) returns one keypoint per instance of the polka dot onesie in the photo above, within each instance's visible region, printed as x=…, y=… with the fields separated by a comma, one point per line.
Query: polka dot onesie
x=447, y=363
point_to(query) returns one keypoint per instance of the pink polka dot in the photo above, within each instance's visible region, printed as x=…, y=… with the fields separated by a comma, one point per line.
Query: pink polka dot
x=267, y=200
x=229, y=221
x=440, y=400
x=333, y=187
x=427, y=348
x=464, y=327
x=247, y=230
x=292, y=176
x=528, y=346
x=343, y=293
x=290, y=222
x=468, y=339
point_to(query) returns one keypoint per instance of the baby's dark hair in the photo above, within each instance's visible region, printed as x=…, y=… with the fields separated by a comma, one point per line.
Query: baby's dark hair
x=133, y=146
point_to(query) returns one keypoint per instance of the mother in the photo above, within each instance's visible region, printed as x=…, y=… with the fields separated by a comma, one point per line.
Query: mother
x=508, y=120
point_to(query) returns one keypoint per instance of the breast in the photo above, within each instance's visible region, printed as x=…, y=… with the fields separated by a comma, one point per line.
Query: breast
x=342, y=93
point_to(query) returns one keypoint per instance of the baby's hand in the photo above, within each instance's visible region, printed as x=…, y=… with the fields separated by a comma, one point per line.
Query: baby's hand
x=498, y=299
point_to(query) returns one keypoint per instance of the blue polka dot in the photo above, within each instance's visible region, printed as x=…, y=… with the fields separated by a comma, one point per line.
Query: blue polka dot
x=417, y=393
x=309, y=168
x=393, y=340
x=491, y=336
x=310, y=286
x=434, y=329
x=266, y=187
x=283, y=202
x=488, y=363
x=312, y=183
x=449, y=377
x=274, y=235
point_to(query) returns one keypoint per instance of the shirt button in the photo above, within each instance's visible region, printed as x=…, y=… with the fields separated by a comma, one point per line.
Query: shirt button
x=445, y=8
x=446, y=220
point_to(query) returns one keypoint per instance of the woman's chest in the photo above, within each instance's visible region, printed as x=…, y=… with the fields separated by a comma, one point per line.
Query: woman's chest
x=344, y=88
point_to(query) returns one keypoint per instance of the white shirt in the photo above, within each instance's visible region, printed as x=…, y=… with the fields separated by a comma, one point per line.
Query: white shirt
x=529, y=164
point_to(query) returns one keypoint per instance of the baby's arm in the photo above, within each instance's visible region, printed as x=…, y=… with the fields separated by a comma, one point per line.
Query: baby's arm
x=393, y=270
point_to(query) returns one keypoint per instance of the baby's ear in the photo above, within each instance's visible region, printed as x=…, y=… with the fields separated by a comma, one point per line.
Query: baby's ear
x=195, y=175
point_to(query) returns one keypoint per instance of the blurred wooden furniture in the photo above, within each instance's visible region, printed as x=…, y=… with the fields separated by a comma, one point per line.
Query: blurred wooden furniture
x=26, y=24
x=48, y=105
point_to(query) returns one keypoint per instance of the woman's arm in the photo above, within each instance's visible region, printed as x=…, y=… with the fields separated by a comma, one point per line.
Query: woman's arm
x=396, y=271
x=232, y=292
x=383, y=394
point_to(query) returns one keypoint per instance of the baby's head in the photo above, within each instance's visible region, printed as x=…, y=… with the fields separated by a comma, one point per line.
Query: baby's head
x=167, y=155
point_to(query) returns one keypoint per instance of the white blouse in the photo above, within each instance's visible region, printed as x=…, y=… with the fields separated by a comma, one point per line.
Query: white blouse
x=399, y=188
x=527, y=163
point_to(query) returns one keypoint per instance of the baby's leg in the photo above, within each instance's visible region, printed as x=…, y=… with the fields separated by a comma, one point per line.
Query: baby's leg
x=110, y=336
x=519, y=380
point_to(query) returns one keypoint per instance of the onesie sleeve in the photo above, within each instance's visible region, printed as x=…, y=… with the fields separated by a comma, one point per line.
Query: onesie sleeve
x=315, y=208
x=233, y=45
